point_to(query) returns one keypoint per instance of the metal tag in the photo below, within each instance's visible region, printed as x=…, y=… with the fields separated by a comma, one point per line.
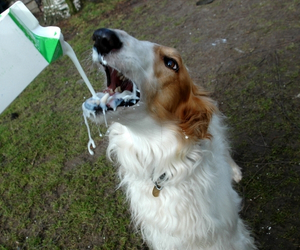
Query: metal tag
x=155, y=191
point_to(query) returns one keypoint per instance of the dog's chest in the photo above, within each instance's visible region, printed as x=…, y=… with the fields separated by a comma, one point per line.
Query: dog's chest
x=144, y=154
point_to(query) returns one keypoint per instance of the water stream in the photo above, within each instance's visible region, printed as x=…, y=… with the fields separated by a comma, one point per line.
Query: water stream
x=68, y=50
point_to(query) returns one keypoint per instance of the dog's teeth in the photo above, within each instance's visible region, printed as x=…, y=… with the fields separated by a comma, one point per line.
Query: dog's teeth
x=102, y=60
x=103, y=101
x=118, y=90
x=104, y=98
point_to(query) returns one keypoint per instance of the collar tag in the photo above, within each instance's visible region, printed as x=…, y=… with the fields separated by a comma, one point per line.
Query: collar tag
x=157, y=187
x=156, y=190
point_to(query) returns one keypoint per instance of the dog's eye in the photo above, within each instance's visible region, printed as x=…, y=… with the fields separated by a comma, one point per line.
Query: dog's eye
x=171, y=63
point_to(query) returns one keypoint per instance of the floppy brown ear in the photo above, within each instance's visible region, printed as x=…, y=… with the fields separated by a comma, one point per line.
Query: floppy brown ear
x=195, y=114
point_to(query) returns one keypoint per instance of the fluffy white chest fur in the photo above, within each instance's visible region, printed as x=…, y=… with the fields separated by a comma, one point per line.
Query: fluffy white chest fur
x=197, y=207
x=170, y=149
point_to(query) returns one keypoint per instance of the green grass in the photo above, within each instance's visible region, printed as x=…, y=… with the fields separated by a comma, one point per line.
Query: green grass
x=260, y=102
x=54, y=195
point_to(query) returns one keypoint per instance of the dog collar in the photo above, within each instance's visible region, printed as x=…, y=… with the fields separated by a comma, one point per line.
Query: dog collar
x=157, y=185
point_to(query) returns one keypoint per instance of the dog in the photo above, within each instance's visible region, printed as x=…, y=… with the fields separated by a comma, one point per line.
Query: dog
x=168, y=140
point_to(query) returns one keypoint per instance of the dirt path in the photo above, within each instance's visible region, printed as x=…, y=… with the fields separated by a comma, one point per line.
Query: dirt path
x=247, y=54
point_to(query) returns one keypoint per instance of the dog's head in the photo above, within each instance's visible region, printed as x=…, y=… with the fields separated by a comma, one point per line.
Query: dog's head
x=155, y=76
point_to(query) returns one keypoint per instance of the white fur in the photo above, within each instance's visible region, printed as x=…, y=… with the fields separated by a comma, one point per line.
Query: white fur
x=197, y=207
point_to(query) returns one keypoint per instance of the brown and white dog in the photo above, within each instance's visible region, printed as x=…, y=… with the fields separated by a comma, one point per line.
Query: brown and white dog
x=170, y=147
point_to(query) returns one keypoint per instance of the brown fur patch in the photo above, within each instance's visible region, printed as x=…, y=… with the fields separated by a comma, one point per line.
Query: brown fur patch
x=176, y=98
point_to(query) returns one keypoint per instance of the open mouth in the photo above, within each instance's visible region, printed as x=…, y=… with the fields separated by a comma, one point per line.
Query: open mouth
x=120, y=91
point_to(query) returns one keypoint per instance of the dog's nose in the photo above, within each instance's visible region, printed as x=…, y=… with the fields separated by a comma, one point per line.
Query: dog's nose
x=106, y=40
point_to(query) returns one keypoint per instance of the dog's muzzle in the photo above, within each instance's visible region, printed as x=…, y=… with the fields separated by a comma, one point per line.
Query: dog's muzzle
x=120, y=90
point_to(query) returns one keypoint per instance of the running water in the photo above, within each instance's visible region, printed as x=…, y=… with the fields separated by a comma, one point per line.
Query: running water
x=68, y=50
x=95, y=99
x=87, y=113
x=101, y=100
